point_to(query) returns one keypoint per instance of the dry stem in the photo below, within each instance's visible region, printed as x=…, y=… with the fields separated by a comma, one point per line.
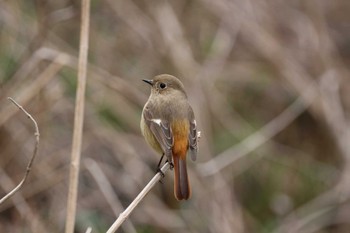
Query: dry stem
x=123, y=216
x=78, y=119
x=107, y=191
x=29, y=166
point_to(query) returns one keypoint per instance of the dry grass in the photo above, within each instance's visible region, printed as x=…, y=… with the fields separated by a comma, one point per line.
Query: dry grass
x=78, y=118
x=268, y=81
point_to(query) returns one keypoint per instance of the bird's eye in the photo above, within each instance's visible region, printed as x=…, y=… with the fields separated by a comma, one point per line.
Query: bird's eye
x=162, y=85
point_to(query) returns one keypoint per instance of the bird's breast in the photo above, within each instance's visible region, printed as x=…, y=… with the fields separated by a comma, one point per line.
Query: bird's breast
x=149, y=137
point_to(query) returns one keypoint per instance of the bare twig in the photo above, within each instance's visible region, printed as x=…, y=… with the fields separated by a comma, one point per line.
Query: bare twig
x=29, y=166
x=78, y=119
x=89, y=230
x=122, y=217
x=22, y=206
x=107, y=191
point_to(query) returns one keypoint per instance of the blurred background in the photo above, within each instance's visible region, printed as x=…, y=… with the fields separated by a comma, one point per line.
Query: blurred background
x=268, y=81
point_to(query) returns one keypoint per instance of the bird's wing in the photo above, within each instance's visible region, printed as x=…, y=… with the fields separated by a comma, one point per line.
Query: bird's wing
x=162, y=132
x=193, y=137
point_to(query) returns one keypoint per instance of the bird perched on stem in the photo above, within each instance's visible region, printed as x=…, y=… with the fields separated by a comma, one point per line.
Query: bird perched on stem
x=169, y=127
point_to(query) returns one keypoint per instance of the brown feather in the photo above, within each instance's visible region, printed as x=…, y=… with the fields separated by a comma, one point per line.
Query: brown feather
x=182, y=188
x=180, y=130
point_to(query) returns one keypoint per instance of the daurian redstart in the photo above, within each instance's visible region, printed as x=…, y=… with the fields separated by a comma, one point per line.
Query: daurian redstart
x=169, y=127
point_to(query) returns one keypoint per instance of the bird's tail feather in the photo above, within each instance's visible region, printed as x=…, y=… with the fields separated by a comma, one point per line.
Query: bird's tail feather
x=182, y=189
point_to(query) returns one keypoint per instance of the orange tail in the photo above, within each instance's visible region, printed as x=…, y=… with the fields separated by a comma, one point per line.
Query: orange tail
x=182, y=189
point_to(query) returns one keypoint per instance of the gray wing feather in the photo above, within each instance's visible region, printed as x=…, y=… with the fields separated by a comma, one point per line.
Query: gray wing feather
x=162, y=131
x=193, y=138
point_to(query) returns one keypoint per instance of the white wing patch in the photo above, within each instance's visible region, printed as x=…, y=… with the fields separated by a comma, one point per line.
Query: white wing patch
x=157, y=121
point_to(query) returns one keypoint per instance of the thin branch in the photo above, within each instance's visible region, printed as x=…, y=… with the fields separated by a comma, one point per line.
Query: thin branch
x=19, y=202
x=89, y=230
x=107, y=191
x=78, y=118
x=29, y=166
x=123, y=216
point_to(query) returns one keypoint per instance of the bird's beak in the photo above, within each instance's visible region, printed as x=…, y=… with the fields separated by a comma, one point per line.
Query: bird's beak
x=150, y=82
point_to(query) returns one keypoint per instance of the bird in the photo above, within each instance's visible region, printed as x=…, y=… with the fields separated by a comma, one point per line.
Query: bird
x=168, y=125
